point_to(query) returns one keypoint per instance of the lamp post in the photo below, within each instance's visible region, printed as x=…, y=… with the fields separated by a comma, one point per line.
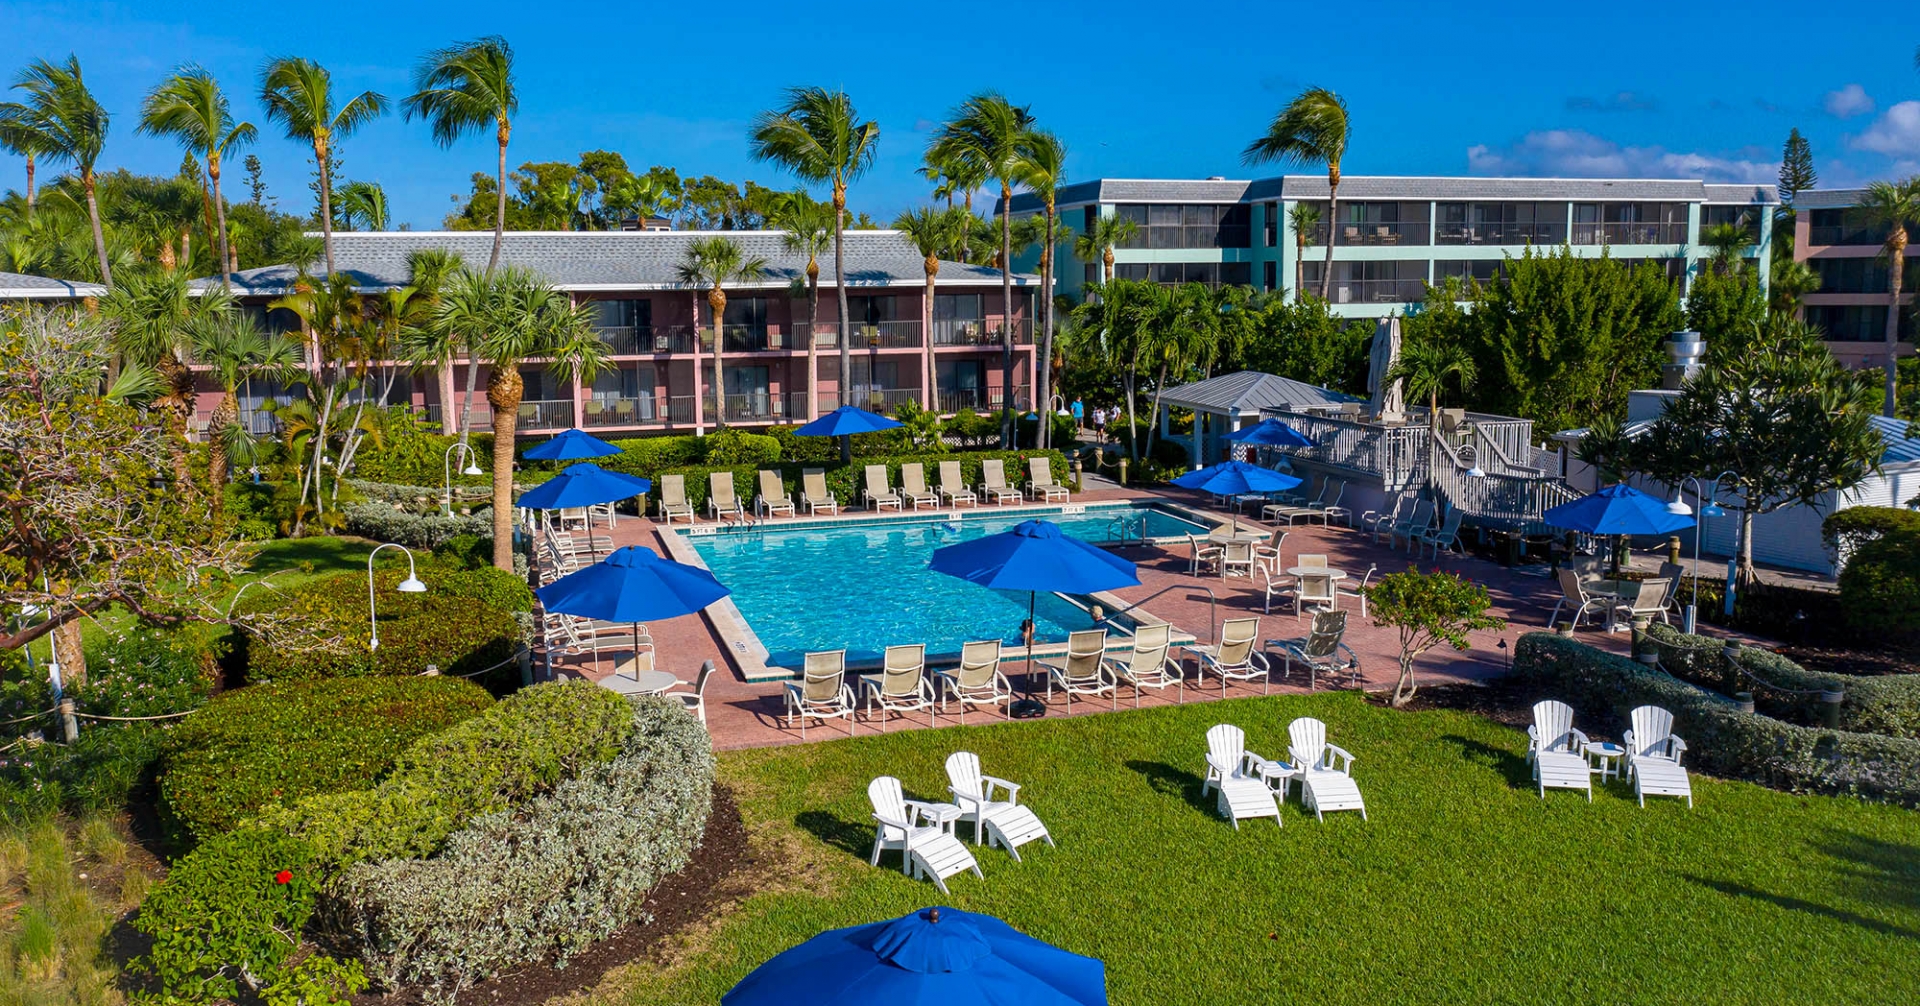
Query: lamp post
x=446, y=471
x=410, y=585
x=1706, y=493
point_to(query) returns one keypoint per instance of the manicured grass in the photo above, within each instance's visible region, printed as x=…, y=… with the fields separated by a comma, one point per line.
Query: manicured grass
x=1463, y=887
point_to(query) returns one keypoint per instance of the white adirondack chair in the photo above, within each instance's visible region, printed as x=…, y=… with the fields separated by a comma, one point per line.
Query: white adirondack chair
x=926, y=850
x=1233, y=771
x=1557, y=751
x=1653, y=756
x=1326, y=770
x=1001, y=822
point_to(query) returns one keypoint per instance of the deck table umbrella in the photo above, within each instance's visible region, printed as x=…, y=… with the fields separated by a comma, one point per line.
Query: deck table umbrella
x=1617, y=510
x=635, y=585
x=1232, y=478
x=843, y=423
x=935, y=955
x=571, y=445
x=582, y=485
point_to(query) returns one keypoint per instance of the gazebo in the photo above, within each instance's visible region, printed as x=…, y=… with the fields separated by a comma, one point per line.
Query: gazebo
x=1226, y=403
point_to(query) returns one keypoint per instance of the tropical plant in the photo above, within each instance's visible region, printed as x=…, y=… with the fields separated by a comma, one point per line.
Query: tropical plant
x=1097, y=244
x=933, y=233
x=1304, y=218
x=1312, y=129
x=1729, y=242
x=331, y=312
x=961, y=176
x=808, y=224
x=1042, y=168
x=19, y=138
x=1427, y=366
x=1895, y=208
x=429, y=347
x=63, y=122
x=298, y=94
x=154, y=314
x=985, y=137
x=361, y=206
x=1791, y=280
x=1183, y=332
x=712, y=263
x=1429, y=610
x=1114, y=324
x=235, y=350
x=818, y=137
x=462, y=89
x=190, y=107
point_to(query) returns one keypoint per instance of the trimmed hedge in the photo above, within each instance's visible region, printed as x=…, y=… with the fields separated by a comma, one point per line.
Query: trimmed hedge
x=1877, y=704
x=221, y=920
x=383, y=522
x=278, y=743
x=545, y=879
x=847, y=481
x=1880, y=587
x=1775, y=610
x=1722, y=741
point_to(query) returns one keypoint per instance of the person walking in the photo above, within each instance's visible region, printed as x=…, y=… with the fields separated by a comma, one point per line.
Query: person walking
x=1079, y=416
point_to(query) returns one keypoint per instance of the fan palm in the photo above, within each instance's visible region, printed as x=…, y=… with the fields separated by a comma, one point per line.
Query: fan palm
x=430, y=346
x=190, y=107
x=1097, y=244
x=1895, y=208
x=462, y=89
x=62, y=120
x=235, y=350
x=1312, y=129
x=808, y=224
x=712, y=263
x=298, y=94
x=154, y=315
x=362, y=206
x=1791, y=280
x=1427, y=366
x=1729, y=242
x=819, y=137
x=1304, y=218
x=960, y=176
x=1042, y=167
x=985, y=136
x=933, y=233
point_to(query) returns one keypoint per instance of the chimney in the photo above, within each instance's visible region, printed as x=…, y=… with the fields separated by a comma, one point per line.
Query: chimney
x=1684, y=352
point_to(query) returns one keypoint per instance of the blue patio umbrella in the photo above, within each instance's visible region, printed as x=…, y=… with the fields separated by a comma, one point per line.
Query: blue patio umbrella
x=583, y=484
x=934, y=955
x=844, y=422
x=570, y=446
x=1619, y=509
x=634, y=584
x=1231, y=478
x=1270, y=432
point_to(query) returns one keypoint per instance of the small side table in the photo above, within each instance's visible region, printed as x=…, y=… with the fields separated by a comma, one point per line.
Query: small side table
x=1605, y=759
x=1277, y=774
x=942, y=814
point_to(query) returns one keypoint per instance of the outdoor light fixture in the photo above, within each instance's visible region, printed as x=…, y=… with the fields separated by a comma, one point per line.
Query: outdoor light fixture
x=446, y=470
x=410, y=585
x=1679, y=507
x=1476, y=473
x=1713, y=509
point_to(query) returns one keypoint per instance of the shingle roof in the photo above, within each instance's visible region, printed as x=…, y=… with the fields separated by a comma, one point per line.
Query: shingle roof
x=1828, y=199
x=618, y=260
x=1744, y=195
x=1174, y=190
x=19, y=286
x=1249, y=391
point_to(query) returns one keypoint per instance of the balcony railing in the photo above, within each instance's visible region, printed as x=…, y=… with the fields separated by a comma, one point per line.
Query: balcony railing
x=1670, y=233
x=1375, y=291
x=643, y=340
x=760, y=407
x=980, y=332
x=545, y=415
x=981, y=399
x=623, y=411
x=1537, y=233
x=1401, y=232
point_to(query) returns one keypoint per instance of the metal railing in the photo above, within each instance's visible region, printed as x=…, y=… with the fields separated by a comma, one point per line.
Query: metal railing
x=1501, y=234
x=644, y=340
x=623, y=411
x=869, y=335
x=1669, y=233
x=766, y=406
x=1399, y=232
x=980, y=332
x=1376, y=291
x=1844, y=234
x=551, y=414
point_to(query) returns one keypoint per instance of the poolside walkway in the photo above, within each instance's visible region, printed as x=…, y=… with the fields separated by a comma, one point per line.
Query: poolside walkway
x=742, y=714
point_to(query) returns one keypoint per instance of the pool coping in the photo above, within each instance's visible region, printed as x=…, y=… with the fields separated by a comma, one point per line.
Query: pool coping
x=749, y=655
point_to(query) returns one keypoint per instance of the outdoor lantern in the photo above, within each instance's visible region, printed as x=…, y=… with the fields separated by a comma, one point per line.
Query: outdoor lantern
x=471, y=469
x=1476, y=472
x=1713, y=509
x=411, y=585
x=1679, y=507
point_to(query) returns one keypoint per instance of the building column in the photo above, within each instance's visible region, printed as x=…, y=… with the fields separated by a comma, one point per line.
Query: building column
x=1198, y=451
x=579, y=401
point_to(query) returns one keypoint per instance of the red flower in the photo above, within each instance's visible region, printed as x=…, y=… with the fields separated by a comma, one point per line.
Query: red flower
x=283, y=876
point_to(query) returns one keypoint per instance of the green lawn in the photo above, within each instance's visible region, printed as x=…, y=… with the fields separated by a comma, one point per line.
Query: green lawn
x=1464, y=886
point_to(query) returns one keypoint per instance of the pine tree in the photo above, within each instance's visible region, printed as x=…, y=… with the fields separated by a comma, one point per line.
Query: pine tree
x=256, y=189
x=1796, y=167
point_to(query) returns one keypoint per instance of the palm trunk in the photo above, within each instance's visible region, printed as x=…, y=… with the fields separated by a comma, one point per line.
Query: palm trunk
x=813, y=339
x=99, y=236
x=220, y=218
x=932, y=266
x=72, y=656
x=1006, y=325
x=1896, y=258
x=449, y=421
x=1153, y=417
x=223, y=418
x=500, y=203
x=1333, y=222
x=1133, y=442
x=1106, y=262
x=717, y=302
x=966, y=233
x=466, y=404
x=504, y=389
x=1043, y=400
x=326, y=198
x=30, y=192
x=840, y=290
x=1300, y=267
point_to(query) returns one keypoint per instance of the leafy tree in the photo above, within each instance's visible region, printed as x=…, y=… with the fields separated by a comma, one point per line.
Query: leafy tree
x=551, y=195
x=1729, y=242
x=808, y=224
x=1791, y=280
x=190, y=107
x=19, y=138
x=362, y=206
x=298, y=94
x=1183, y=334
x=1042, y=167
x=1302, y=340
x=1894, y=207
x=256, y=189
x=1428, y=610
x=463, y=89
x=154, y=314
x=712, y=263
x=1313, y=129
x=235, y=350
x=1727, y=309
x=933, y=232
x=1098, y=243
x=1115, y=323
x=63, y=122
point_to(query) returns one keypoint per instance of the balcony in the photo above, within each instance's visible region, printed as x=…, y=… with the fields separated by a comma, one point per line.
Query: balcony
x=1374, y=291
x=981, y=399
x=1671, y=233
x=554, y=414
x=979, y=332
x=1495, y=233
x=643, y=340
x=870, y=335
x=760, y=407
x=1403, y=232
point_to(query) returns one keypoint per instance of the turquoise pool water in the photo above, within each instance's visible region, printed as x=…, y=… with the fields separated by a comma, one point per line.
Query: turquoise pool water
x=867, y=586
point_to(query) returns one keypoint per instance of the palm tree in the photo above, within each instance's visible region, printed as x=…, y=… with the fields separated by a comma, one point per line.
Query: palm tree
x=808, y=224
x=1304, y=218
x=1729, y=242
x=933, y=233
x=64, y=122
x=1042, y=167
x=154, y=314
x=235, y=350
x=713, y=262
x=1426, y=366
x=985, y=136
x=431, y=346
x=362, y=206
x=1097, y=244
x=1182, y=332
x=818, y=137
x=298, y=94
x=190, y=107
x=1116, y=319
x=1312, y=129
x=1894, y=207
x=956, y=175
x=1791, y=280
x=19, y=138
x=462, y=89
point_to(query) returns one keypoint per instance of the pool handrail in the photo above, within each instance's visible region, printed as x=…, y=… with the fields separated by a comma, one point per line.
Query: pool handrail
x=1213, y=607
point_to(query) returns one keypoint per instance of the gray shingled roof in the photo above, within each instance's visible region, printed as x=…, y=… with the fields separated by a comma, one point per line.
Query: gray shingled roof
x=19, y=286
x=1828, y=199
x=618, y=260
x=1249, y=391
x=1743, y=195
x=1173, y=190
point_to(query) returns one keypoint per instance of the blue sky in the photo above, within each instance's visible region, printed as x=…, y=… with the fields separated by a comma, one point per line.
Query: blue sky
x=1135, y=89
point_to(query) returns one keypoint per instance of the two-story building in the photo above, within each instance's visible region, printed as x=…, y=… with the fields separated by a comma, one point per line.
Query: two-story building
x=1832, y=238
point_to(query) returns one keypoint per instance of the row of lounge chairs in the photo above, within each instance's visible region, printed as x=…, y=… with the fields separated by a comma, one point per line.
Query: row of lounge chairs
x=1420, y=526
x=772, y=500
x=925, y=832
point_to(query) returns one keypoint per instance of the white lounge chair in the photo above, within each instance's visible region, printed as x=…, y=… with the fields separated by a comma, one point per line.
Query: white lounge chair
x=913, y=486
x=722, y=503
x=1415, y=524
x=1446, y=536
x=1326, y=770
x=1083, y=671
x=978, y=680
x=822, y=692
x=1653, y=756
x=1234, y=772
x=878, y=494
x=673, y=499
x=1040, y=481
x=773, y=498
x=1557, y=751
x=1001, y=822
x=1234, y=657
x=901, y=686
x=1273, y=583
x=953, y=486
x=926, y=850
x=1371, y=520
x=1150, y=664
x=813, y=492
x=993, y=483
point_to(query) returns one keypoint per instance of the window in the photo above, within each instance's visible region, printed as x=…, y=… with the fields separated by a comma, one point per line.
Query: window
x=1136, y=271
x=1745, y=217
x=540, y=385
x=1091, y=272
x=1373, y=282
x=1237, y=273
x=1483, y=270
x=1271, y=278
x=1272, y=227
x=1857, y=322
x=749, y=313
x=621, y=313
x=1087, y=218
x=1500, y=223
x=1847, y=227
x=874, y=309
x=1860, y=275
x=1382, y=223
x=1629, y=223
x=1190, y=225
x=1137, y=213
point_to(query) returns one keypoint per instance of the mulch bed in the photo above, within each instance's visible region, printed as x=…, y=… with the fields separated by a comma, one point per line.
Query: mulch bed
x=1848, y=660
x=1502, y=700
x=678, y=901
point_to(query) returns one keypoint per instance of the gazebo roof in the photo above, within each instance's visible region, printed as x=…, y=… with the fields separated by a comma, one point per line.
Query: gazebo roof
x=1249, y=391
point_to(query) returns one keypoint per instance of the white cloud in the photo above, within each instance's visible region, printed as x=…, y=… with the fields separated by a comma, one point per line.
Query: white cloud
x=1574, y=153
x=1895, y=133
x=1848, y=102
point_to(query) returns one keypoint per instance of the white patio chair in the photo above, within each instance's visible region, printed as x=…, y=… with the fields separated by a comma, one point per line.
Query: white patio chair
x=1001, y=822
x=813, y=492
x=879, y=495
x=1653, y=756
x=822, y=692
x=1235, y=657
x=1083, y=671
x=1574, y=593
x=901, y=686
x=1326, y=770
x=1150, y=664
x=1649, y=601
x=673, y=499
x=1238, y=558
x=1267, y=553
x=722, y=502
x=978, y=680
x=1314, y=591
x=1557, y=751
x=696, y=700
x=773, y=498
x=1205, y=553
x=953, y=486
x=1416, y=522
x=1323, y=649
x=1360, y=591
x=1234, y=772
x=1446, y=536
x=1371, y=520
x=993, y=483
x=913, y=486
x=926, y=850
x=1040, y=482
x=1274, y=584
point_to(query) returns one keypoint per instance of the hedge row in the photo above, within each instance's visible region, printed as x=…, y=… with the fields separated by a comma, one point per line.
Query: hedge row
x=1721, y=740
x=846, y=482
x=278, y=743
x=545, y=879
x=382, y=522
x=1878, y=704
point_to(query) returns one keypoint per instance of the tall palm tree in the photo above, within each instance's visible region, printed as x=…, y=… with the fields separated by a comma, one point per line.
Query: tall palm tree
x=1303, y=218
x=190, y=107
x=429, y=345
x=933, y=232
x=957, y=175
x=1116, y=320
x=1043, y=169
x=19, y=138
x=1427, y=366
x=712, y=263
x=155, y=314
x=985, y=136
x=235, y=350
x=1312, y=129
x=362, y=206
x=1895, y=208
x=1728, y=241
x=462, y=89
x=819, y=137
x=1097, y=245
x=67, y=126
x=298, y=94
x=808, y=224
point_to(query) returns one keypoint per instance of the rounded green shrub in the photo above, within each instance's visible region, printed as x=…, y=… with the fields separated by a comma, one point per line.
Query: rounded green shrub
x=1880, y=586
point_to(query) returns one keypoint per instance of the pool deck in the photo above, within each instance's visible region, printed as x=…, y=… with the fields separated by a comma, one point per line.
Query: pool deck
x=744, y=714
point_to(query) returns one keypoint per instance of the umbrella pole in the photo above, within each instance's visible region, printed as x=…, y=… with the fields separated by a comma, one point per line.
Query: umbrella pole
x=1026, y=632
x=846, y=450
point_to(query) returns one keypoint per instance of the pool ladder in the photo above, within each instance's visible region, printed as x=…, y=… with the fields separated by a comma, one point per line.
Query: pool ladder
x=1122, y=526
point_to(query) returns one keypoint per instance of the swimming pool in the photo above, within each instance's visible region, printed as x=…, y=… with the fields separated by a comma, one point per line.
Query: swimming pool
x=864, y=585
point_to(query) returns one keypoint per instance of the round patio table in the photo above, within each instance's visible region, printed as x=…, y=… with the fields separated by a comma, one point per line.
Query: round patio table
x=1327, y=571
x=643, y=683
x=1249, y=537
